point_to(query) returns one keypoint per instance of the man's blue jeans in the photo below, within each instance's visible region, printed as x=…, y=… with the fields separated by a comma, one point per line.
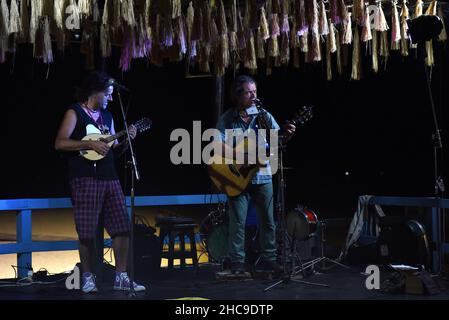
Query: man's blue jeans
x=262, y=195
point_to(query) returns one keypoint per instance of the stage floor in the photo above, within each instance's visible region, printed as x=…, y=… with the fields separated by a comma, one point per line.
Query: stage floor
x=186, y=284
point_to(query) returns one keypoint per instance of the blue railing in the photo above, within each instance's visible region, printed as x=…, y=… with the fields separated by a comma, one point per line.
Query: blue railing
x=25, y=246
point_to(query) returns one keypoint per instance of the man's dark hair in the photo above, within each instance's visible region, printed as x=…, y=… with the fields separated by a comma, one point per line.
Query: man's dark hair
x=237, y=86
x=94, y=82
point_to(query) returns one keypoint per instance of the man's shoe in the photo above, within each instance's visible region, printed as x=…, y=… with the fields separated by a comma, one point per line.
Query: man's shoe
x=122, y=282
x=89, y=285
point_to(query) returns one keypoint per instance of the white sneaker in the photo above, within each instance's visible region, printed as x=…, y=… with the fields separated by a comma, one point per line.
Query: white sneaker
x=89, y=283
x=122, y=282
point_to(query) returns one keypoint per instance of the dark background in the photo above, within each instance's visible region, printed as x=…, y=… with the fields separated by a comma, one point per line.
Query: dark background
x=379, y=130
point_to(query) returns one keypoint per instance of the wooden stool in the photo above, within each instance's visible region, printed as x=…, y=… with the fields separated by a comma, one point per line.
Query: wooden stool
x=173, y=227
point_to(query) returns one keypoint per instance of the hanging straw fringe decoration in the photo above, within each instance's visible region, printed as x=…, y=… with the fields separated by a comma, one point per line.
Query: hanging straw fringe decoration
x=315, y=53
x=395, y=27
x=304, y=43
x=95, y=11
x=4, y=19
x=375, y=58
x=84, y=7
x=285, y=49
x=58, y=14
x=329, y=56
x=404, y=29
x=431, y=11
x=380, y=24
x=264, y=32
x=128, y=12
x=339, y=60
x=260, y=45
x=24, y=36
x=347, y=30
x=127, y=49
x=356, y=73
x=36, y=13
x=358, y=12
x=302, y=19
x=250, y=59
x=177, y=7
x=207, y=19
x=332, y=37
x=323, y=25
x=366, y=30
x=116, y=15
x=15, y=24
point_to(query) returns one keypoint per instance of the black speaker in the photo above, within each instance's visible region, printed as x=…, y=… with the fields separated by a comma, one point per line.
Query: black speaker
x=147, y=251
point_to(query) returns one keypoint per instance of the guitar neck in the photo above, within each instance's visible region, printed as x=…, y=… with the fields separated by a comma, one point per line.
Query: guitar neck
x=114, y=137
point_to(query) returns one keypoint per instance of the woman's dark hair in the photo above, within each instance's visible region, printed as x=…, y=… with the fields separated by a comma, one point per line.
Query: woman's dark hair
x=94, y=82
x=237, y=86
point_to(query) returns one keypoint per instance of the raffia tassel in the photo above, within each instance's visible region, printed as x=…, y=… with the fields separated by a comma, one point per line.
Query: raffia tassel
x=335, y=18
x=260, y=45
x=294, y=37
x=105, y=41
x=15, y=24
x=221, y=19
x=241, y=38
x=117, y=15
x=430, y=61
x=332, y=37
x=24, y=36
x=374, y=56
x=95, y=11
x=264, y=31
x=274, y=26
x=443, y=34
x=315, y=53
x=302, y=22
x=48, y=52
x=181, y=35
x=285, y=49
x=432, y=9
x=304, y=43
x=253, y=22
x=366, y=31
x=323, y=25
x=84, y=7
x=358, y=12
x=329, y=57
x=380, y=23
x=197, y=29
x=404, y=28
x=204, y=59
x=141, y=49
x=176, y=9
x=396, y=28
x=273, y=47
x=128, y=12
x=356, y=73
x=342, y=10
x=339, y=60
x=347, y=30
x=36, y=13
x=418, y=8
x=233, y=41
x=250, y=58
x=384, y=52
x=58, y=14
x=167, y=32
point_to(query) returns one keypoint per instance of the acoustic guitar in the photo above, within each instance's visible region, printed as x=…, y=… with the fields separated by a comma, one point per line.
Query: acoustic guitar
x=232, y=179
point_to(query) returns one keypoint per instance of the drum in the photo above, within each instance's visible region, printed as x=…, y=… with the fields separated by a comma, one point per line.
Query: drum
x=214, y=234
x=302, y=223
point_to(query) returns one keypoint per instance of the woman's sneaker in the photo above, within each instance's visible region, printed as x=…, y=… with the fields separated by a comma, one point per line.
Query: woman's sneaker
x=122, y=282
x=89, y=283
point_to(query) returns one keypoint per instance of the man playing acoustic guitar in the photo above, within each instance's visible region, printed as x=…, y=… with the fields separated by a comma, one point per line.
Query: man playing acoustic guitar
x=95, y=187
x=260, y=188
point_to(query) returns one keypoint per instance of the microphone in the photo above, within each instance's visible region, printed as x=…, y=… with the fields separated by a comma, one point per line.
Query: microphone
x=257, y=102
x=116, y=84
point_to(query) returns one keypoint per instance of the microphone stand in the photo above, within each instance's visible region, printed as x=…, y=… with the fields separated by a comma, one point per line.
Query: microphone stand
x=134, y=176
